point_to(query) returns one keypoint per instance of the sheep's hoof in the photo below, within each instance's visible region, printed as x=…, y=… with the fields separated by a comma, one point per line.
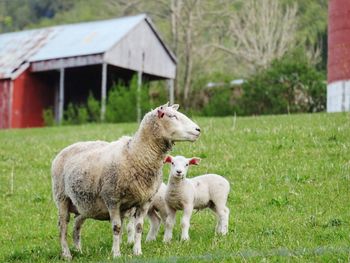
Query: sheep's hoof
x=67, y=256
x=131, y=241
x=149, y=239
x=78, y=248
x=116, y=254
x=185, y=238
x=137, y=251
x=222, y=231
x=167, y=239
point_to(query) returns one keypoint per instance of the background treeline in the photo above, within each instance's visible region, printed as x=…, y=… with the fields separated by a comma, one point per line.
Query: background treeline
x=277, y=47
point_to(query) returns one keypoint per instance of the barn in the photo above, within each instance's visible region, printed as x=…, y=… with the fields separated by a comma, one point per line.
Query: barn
x=53, y=66
x=338, y=89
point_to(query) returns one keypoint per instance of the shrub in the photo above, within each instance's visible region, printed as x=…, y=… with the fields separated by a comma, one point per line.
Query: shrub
x=49, y=118
x=289, y=85
x=69, y=116
x=82, y=115
x=75, y=115
x=122, y=102
x=93, y=108
x=220, y=103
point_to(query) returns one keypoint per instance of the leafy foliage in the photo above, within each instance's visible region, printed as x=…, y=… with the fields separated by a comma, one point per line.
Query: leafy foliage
x=49, y=117
x=93, y=108
x=290, y=85
x=80, y=114
x=220, y=103
x=122, y=102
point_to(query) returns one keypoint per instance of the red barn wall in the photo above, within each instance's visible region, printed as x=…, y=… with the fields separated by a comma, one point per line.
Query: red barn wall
x=338, y=88
x=5, y=103
x=31, y=95
x=338, y=40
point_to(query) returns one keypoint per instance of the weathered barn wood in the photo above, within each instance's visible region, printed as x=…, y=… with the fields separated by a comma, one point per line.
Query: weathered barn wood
x=64, y=62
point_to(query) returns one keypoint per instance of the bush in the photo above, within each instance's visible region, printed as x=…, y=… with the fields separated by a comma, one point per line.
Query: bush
x=122, y=102
x=75, y=115
x=49, y=118
x=289, y=85
x=93, y=109
x=220, y=103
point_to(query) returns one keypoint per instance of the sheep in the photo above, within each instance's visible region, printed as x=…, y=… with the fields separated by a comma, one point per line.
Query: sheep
x=156, y=213
x=205, y=191
x=102, y=180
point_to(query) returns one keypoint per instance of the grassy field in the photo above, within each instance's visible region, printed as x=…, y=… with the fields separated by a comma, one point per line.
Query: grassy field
x=290, y=197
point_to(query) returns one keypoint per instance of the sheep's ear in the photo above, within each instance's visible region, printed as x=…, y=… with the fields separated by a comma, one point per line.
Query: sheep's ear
x=194, y=161
x=175, y=106
x=168, y=159
x=165, y=105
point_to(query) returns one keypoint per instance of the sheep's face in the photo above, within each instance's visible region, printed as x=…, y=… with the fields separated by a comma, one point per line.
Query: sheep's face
x=175, y=126
x=180, y=164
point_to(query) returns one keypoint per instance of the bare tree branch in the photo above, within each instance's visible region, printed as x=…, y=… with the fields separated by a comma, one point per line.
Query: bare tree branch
x=261, y=31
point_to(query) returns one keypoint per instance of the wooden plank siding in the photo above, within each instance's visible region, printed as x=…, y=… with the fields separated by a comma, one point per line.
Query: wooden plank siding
x=141, y=42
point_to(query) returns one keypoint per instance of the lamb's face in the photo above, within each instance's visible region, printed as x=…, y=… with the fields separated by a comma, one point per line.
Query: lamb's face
x=180, y=164
x=176, y=126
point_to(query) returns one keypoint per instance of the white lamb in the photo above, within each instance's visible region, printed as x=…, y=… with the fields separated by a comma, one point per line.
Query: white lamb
x=209, y=190
x=102, y=180
x=157, y=212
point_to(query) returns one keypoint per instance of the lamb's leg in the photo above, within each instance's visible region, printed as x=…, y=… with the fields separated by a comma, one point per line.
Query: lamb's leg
x=63, y=220
x=79, y=221
x=139, y=217
x=155, y=223
x=114, y=213
x=169, y=224
x=185, y=222
x=131, y=230
x=223, y=215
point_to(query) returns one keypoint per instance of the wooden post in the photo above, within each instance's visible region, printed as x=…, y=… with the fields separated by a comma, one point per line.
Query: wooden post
x=170, y=83
x=61, y=96
x=139, y=84
x=103, y=91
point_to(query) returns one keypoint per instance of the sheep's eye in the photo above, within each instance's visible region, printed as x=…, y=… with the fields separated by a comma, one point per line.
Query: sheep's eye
x=172, y=163
x=187, y=164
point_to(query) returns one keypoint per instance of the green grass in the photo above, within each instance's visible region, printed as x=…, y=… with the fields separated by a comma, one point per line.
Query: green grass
x=290, y=196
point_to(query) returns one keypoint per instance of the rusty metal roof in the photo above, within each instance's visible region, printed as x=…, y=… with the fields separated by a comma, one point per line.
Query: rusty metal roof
x=19, y=48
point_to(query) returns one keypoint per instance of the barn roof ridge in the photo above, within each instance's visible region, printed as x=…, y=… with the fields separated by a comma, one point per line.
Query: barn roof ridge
x=67, y=40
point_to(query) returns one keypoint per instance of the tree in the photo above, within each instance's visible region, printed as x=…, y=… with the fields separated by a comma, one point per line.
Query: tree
x=261, y=31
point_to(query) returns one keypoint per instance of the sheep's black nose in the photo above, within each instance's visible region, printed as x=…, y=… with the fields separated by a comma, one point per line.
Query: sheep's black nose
x=178, y=171
x=197, y=129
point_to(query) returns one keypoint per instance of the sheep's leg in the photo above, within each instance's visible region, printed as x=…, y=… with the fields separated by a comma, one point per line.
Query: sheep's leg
x=131, y=230
x=116, y=221
x=139, y=217
x=169, y=224
x=185, y=222
x=79, y=221
x=223, y=215
x=63, y=220
x=155, y=223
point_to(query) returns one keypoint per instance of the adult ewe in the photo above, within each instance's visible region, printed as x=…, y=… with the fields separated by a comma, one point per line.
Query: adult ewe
x=209, y=190
x=102, y=180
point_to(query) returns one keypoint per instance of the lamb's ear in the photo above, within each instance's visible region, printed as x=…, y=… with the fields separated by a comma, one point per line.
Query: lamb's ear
x=194, y=161
x=168, y=159
x=175, y=106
